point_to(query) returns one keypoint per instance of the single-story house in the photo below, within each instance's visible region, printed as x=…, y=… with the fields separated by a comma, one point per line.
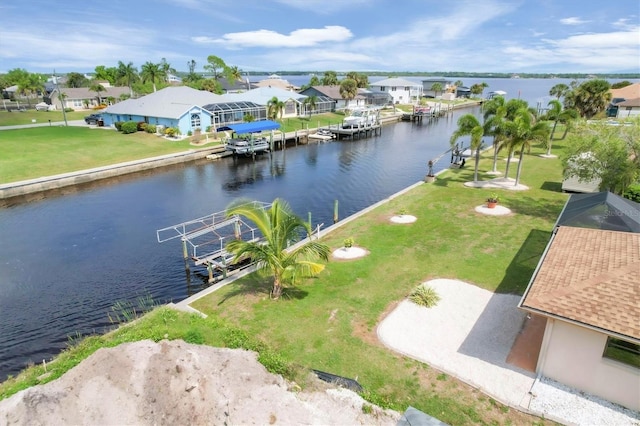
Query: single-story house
x=628, y=108
x=332, y=93
x=402, y=91
x=587, y=288
x=627, y=93
x=263, y=95
x=79, y=98
x=179, y=107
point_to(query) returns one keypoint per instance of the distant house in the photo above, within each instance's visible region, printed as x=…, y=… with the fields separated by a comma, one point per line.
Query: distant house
x=427, y=86
x=587, y=288
x=276, y=82
x=333, y=93
x=627, y=93
x=79, y=98
x=179, y=107
x=402, y=91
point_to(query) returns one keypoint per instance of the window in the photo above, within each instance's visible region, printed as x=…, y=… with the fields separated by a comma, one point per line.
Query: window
x=622, y=351
x=383, y=89
x=195, y=120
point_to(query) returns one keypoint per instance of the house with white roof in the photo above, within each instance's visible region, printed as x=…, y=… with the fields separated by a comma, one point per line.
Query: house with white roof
x=179, y=107
x=263, y=95
x=402, y=91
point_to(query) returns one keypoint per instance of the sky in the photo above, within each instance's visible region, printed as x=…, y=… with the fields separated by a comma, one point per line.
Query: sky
x=512, y=36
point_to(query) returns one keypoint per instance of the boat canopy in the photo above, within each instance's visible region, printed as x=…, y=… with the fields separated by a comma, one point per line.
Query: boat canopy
x=252, y=127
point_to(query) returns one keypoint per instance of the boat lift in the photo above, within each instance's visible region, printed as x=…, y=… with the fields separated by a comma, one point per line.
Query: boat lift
x=204, y=239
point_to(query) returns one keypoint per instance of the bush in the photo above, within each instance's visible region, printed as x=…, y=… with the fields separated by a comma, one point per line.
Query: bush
x=150, y=128
x=348, y=242
x=68, y=109
x=118, y=125
x=142, y=126
x=633, y=192
x=129, y=127
x=424, y=296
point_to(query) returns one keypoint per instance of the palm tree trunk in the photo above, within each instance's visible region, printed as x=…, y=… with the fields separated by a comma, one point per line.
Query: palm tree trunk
x=553, y=131
x=519, y=167
x=276, y=291
x=506, y=171
x=475, y=172
x=495, y=158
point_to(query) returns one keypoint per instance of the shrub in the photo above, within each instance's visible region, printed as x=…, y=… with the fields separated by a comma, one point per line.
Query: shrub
x=118, y=125
x=424, y=296
x=348, y=242
x=142, y=125
x=150, y=128
x=189, y=133
x=68, y=109
x=129, y=127
x=170, y=131
x=633, y=192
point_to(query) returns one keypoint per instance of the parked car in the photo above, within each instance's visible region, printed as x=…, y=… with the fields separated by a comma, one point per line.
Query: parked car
x=93, y=118
x=42, y=106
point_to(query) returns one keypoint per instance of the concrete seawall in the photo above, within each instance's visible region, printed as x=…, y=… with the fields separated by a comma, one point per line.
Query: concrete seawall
x=47, y=183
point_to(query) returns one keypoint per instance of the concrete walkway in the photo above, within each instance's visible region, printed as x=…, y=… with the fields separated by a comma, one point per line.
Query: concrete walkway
x=470, y=335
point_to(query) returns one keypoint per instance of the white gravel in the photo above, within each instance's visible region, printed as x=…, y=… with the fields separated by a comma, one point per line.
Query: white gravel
x=469, y=335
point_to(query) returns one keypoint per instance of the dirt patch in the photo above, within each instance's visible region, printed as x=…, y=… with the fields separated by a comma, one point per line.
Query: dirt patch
x=173, y=382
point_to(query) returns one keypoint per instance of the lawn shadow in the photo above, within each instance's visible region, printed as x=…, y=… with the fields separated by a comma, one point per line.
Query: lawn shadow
x=551, y=186
x=260, y=285
x=537, y=207
x=521, y=268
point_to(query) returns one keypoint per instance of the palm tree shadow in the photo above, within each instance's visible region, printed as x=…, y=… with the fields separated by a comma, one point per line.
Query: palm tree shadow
x=543, y=208
x=259, y=285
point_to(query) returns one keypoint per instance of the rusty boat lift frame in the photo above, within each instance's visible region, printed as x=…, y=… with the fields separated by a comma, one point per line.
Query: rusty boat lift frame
x=204, y=239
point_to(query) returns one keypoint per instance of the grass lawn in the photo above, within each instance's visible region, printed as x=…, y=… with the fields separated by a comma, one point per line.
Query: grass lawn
x=329, y=322
x=27, y=117
x=44, y=151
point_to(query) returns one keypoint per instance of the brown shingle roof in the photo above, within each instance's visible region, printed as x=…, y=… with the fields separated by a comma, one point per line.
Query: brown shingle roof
x=628, y=92
x=592, y=277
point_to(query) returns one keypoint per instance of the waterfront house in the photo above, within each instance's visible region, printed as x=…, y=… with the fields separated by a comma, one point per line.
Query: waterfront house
x=263, y=95
x=587, y=288
x=178, y=107
x=427, y=86
x=628, y=108
x=330, y=96
x=402, y=91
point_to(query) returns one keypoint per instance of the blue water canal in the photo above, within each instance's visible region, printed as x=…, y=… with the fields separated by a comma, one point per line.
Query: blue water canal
x=66, y=259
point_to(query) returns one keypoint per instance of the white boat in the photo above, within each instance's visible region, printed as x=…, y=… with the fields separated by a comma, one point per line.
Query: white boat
x=360, y=117
x=244, y=146
x=495, y=93
x=322, y=134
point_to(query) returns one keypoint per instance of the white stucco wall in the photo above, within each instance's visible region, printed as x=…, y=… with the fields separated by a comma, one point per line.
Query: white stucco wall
x=573, y=355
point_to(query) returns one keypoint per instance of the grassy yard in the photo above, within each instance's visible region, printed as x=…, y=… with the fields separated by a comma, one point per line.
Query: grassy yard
x=44, y=151
x=27, y=117
x=329, y=322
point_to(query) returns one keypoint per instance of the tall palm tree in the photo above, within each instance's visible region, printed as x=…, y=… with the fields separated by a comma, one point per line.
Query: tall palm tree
x=279, y=226
x=275, y=108
x=559, y=115
x=494, y=113
x=30, y=86
x=559, y=90
x=469, y=125
x=348, y=90
x=127, y=74
x=234, y=74
x=310, y=103
x=98, y=88
x=152, y=72
x=522, y=131
x=589, y=98
x=330, y=78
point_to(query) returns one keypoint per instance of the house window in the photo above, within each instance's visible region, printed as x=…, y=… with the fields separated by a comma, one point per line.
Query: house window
x=393, y=88
x=622, y=351
x=195, y=120
x=383, y=89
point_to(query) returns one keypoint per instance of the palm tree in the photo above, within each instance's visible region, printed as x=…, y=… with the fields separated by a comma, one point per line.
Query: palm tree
x=275, y=108
x=152, y=72
x=558, y=114
x=29, y=86
x=97, y=87
x=589, y=98
x=234, y=74
x=436, y=87
x=330, y=78
x=495, y=112
x=559, y=90
x=310, y=103
x=279, y=226
x=127, y=74
x=521, y=132
x=348, y=90
x=468, y=125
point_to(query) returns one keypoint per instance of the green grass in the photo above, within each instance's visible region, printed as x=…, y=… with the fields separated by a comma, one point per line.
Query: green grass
x=329, y=322
x=44, y=151
x=27, y=117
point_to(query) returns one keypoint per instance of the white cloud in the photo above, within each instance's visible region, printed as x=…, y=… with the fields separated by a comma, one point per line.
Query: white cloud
x=305, y=37
x=573, y=21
